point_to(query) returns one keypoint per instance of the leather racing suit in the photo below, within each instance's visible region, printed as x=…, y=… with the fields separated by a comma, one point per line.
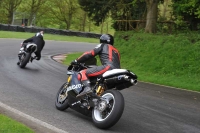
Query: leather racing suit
x=109, y=57
x=38, y=40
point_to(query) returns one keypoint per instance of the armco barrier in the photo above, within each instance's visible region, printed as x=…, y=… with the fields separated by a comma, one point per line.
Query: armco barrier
x=6, y=27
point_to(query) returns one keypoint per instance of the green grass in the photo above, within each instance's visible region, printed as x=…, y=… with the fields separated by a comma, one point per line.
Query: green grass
x=73, y=56
x=153, y=77
x=23, y=35
x=8, y=125
x=171, y=60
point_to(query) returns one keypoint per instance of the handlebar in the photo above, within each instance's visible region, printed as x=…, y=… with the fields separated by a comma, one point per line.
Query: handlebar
x=76, y=65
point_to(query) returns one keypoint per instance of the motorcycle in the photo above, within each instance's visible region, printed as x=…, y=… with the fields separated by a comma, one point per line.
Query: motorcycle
x=106, y=104
x=25, y=54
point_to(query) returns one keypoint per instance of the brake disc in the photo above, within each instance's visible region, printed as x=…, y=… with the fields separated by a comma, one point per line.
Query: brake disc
x=102, y=105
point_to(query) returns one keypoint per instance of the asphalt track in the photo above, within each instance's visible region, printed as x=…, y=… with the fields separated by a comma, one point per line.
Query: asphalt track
x=28, y=95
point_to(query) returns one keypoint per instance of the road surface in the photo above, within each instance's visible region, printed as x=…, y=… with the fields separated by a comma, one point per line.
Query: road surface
x=28, y=95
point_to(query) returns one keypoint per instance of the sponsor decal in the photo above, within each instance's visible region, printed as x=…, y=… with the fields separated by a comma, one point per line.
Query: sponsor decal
x=73, y=87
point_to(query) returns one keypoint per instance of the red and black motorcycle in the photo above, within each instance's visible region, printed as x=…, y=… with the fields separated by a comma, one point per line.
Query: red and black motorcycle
x=106, y=104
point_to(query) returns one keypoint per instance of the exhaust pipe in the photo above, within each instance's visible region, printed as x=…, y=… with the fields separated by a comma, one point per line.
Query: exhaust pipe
x=134, y=82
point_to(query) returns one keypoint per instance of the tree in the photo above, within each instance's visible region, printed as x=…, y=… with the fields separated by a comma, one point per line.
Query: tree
x=152, y=15
x=32, y=8
x=10, y=7
x=2, y=12
x=81, y=20
x=64, y=11
x=127, y=12
x=0, y=2
x=97, y=10
x=165, y=10
x=122, y=9
x=189, y=11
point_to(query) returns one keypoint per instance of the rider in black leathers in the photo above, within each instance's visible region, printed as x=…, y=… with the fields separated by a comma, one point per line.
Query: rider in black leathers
x=110, y=59
x=38, y=40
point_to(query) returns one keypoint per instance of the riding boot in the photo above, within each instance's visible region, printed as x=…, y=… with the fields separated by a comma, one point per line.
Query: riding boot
x=31, y=59
x=87, y=89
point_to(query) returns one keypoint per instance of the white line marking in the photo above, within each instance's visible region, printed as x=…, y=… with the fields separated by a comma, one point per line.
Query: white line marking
x=44, y=124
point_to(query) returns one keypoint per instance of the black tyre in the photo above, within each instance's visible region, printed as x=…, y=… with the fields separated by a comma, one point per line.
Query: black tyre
x=62, y=98
x=113, y=112
x=24, y=59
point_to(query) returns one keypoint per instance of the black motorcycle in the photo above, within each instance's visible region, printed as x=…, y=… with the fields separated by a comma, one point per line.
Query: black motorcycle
x=25, y=55
x=106, y=104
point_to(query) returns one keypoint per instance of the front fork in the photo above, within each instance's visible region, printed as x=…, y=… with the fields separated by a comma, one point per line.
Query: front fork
x=66, y=85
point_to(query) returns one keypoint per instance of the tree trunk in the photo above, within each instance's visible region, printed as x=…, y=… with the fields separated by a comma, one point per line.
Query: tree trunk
x=10, y=12
x=89, y=29
x=10, y=17
x=152, y=14
x=68, y=22
x=68, y=25
x=107, y=27
x=31, y=19
x=102, y=25
x=84, y=21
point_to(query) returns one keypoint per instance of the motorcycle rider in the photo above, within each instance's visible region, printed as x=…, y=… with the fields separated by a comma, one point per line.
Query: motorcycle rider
x=38, y=40
x=110, y=59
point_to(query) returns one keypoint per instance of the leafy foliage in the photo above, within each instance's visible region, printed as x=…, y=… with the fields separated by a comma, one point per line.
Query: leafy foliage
x=128, y=10
x=64, y=10
x=10, y=6
x=97, y=10
x=83, y=14
x=118, y=10
x=32, y=8
x=187, y=10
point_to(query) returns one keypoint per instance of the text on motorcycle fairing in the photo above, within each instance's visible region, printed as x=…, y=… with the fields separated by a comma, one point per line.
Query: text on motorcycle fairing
x=74, y=87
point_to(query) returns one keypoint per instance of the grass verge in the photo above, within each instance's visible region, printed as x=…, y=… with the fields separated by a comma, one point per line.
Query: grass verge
x=23, y=35
x=171, y=60
x=8, y=125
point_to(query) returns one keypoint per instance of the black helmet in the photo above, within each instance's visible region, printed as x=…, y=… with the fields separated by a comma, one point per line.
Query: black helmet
x=107, y=38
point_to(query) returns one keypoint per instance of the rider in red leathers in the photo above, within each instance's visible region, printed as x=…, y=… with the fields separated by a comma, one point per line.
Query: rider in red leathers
x=110, y=59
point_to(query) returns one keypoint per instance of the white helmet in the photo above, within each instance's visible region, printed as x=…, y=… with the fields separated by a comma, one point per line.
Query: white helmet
x=41, y=33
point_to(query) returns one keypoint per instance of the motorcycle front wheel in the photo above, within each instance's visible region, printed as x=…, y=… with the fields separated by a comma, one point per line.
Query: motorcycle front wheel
x=25, y=57
x=105, y=116
x=62, y=98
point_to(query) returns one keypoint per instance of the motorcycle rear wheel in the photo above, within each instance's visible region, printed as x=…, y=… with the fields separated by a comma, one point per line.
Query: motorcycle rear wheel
x=62, y=98
x=113, y=112
x=25, y=57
